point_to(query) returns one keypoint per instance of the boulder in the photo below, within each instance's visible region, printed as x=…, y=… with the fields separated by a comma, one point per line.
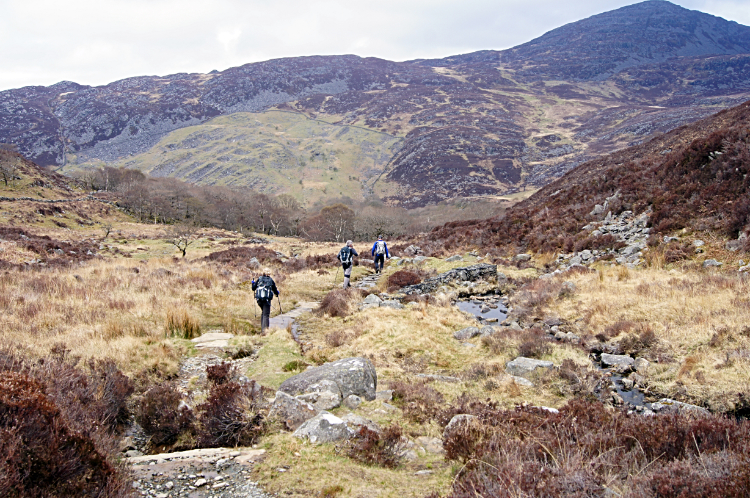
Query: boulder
x=486, y=330
x=711, y=263
x=454, y=258
x=355, y=422
x=352, y=401
x=351, y=375
x=641, y=365
x=372, y=299
x=392, y=304
x=466, y=333
x=522, y=366
x=522, y=257
x=291, y=411
x=386, y=395
x=615, y=360
x=472, y=273
x=324, y=428
x=457, y=421
x=431, y=445
x=667, y=405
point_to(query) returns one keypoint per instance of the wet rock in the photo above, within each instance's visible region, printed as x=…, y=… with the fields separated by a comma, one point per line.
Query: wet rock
x=351, y=375
x=522, y=366
x=323, y=428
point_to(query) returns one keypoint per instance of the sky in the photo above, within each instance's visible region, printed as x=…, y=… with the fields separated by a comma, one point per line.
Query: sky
x=95, y=42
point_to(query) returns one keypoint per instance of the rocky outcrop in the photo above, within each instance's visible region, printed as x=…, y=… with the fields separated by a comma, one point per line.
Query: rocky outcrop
x=522, y=366
x=351, y=376
x=290, y=411
x=473, y=273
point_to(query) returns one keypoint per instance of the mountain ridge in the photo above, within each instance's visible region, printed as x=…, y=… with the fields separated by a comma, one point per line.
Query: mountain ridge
x=486, y=123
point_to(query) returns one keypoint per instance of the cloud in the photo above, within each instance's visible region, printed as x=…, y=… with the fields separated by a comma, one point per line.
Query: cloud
x=99, y=41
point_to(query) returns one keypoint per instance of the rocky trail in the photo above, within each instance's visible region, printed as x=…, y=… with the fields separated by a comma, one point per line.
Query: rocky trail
x=202, y=473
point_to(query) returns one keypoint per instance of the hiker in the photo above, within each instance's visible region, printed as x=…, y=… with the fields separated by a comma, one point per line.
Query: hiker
x=346, y=256
x=380, y=251
x=264, y=289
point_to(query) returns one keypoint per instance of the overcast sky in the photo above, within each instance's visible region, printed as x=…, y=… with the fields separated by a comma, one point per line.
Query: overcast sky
x=95, y=42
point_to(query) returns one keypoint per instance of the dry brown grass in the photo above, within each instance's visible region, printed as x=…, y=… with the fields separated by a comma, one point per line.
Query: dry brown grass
x=697, y=318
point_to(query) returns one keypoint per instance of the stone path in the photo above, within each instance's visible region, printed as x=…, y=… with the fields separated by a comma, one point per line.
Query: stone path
x=368, y=281
x=203, y=473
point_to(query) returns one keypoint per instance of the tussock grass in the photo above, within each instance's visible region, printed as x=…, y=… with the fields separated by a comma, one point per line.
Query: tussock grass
x=698, y=319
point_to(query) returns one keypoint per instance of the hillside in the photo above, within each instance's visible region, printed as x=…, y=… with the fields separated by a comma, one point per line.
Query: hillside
x=482, y=124
x=694, y=178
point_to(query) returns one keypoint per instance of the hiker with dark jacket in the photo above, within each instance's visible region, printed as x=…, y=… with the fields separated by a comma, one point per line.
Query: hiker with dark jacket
x=264, y=289
x=380, y=252
x=346, y=256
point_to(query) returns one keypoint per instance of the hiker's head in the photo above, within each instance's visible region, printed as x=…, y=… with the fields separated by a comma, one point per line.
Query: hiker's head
x=265, y=272
x=349, y=243
x=380, y=237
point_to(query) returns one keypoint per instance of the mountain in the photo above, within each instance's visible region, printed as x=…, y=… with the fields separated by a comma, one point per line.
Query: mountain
x=694, y=177
x=483, y=124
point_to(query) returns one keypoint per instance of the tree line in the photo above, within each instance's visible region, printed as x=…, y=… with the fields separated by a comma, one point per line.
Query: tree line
x=172, y=201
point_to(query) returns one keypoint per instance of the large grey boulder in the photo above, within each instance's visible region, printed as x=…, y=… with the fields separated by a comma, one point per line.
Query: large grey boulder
x=617, y=360
x=323, y=395
x=351, y=375
x=291, y=411
x=324, y=428
x=356, y=422
x=523, y=366
x=466, y=333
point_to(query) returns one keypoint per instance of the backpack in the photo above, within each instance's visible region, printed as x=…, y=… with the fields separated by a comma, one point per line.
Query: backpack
x=380, y=247
x=263, y=291
x=345, y=255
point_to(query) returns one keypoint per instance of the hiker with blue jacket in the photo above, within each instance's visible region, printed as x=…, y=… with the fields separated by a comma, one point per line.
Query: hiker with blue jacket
x=264, y=289
x=346, y=256
x=380, y=252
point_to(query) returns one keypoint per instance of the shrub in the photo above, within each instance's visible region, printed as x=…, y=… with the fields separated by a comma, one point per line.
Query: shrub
x=402, y=278
x=337, y=302
x=419, y=401
x=531, y=452
x=371, y=448
x=43, y=453
x=232, y=415
x=161, y=415
x=221, y=373
x=294, y=365
x=336, y=338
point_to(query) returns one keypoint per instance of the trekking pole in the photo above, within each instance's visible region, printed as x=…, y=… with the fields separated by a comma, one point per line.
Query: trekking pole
x=280, y=310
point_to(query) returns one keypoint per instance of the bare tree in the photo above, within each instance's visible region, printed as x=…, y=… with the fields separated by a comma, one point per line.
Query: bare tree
x=107, y=228
x=182, y=236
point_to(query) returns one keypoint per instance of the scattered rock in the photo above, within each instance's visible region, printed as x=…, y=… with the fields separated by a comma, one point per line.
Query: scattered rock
x=440, y=378
x=457, y=421
x=522, y=366
x=641, y=365
x=711, y=263
x=392, y=304
x=466, y=333
x=354, y=422
x=431, y=445
x=454, y=258
x=385, y=395
x=522, y=257
x=671, y=406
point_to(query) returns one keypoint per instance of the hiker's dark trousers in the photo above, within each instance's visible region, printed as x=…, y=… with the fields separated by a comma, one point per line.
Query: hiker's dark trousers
x=379, y=259
x=265, y=315
x=347, y=275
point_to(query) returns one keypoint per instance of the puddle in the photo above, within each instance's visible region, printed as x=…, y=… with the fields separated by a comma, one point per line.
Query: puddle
x=495, y=315
x=634, y=397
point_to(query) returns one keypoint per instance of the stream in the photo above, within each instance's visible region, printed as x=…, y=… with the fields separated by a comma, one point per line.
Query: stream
x=490, y=309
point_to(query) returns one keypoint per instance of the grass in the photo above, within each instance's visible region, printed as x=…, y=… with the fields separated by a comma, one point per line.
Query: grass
x=700, y=320
x=307, y=158
x=311, y=469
